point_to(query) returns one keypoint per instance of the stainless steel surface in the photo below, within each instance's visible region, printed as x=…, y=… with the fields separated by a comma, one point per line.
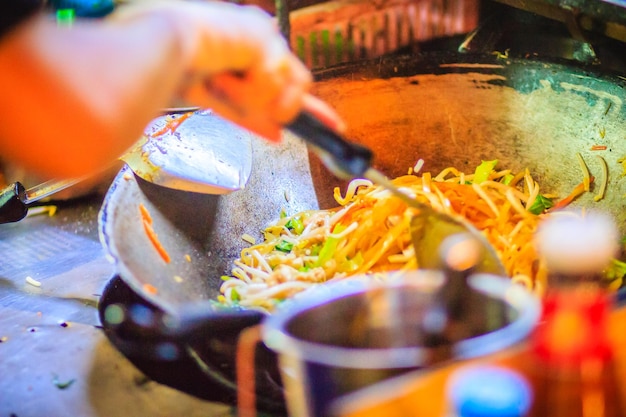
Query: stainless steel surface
x=374, y=334
x=50, y=334
x=46, y=189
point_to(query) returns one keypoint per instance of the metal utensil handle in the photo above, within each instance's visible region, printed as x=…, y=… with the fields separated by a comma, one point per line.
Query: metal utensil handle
x=12, y=205
x=343, y=158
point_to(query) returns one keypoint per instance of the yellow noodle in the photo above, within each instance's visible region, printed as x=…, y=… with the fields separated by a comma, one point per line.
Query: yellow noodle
x=369, y=232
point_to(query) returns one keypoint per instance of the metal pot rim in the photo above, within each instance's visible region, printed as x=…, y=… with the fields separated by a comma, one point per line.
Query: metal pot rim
x=278, y=339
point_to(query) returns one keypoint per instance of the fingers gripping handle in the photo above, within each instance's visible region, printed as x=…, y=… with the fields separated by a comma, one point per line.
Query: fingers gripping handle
x=345, y=159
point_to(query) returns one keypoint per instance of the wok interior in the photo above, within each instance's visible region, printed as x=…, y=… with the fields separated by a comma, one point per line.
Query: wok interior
x=448, y=112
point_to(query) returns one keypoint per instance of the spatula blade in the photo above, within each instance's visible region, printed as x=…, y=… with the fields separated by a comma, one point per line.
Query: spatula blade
x=429, y=230
x=197, y=152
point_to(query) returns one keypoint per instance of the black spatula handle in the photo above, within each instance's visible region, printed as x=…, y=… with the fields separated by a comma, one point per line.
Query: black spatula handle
x=343, y=158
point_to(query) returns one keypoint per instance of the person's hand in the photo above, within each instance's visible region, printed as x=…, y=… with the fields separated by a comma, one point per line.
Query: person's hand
x=238, y=64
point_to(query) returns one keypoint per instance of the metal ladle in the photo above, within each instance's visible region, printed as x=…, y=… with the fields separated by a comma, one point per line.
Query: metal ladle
x=429, y=227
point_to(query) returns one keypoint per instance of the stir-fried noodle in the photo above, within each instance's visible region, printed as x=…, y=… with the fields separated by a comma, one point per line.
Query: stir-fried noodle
x=369, y=233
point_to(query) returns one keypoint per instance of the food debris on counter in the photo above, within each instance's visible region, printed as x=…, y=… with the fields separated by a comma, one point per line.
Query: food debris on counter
x=30, y=280
x=62, y=384
x=36, y=211
x=150, y=289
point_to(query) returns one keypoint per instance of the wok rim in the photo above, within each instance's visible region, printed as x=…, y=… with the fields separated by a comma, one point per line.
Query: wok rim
x=277, y=338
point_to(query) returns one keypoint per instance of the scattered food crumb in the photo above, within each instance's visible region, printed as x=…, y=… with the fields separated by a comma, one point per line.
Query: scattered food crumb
x=3, y=339
x=60, y=384
x=64, y=324
x=33, y=282
x=49, y=210
x=151, y=289
x=188, y=257
x=178, y=278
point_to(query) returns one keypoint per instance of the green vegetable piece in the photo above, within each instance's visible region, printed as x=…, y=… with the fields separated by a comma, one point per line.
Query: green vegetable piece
x=315, y=250
x=330, y=246
x=506, y=180
x=615, y=270
x=284, y=246
x=62, y=385
x=481, y=174
x=351, y=265
x=234, y=295
x=296, y=225
x=540, y=205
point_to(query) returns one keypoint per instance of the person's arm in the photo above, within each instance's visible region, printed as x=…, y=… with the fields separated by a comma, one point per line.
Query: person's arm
x=76, y=98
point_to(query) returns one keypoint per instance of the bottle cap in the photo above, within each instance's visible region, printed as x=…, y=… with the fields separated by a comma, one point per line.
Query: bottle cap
x=489, y=391
x=577, y=245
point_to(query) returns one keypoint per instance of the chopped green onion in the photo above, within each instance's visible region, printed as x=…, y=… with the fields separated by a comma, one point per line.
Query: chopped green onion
x=284, y=246
x=315, y=250
x=615, y=270
x=351, y=265
x=296, y=225
x=481, y=174
x=330, y=246
x=541, y=204
x=506, y=180
x=62, y=385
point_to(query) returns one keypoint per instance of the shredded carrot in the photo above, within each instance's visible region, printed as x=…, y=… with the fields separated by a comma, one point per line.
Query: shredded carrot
x=598, y=148
x=172, y=125
x=145, y=214
x=147, y=227
x=578, y=190
x=150, y=289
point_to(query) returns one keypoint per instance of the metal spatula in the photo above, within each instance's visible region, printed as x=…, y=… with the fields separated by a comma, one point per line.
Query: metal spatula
x=194, y=151
x=429, y=228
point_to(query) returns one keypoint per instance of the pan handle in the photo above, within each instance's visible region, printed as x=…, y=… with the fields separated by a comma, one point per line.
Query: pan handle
x=12, y=203
x=189, y=323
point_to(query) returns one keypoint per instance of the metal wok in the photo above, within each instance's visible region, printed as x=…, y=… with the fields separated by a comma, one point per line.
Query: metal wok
x=448, y=109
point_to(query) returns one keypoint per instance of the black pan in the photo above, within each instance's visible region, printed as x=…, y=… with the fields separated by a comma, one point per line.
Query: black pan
x=449, y=109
